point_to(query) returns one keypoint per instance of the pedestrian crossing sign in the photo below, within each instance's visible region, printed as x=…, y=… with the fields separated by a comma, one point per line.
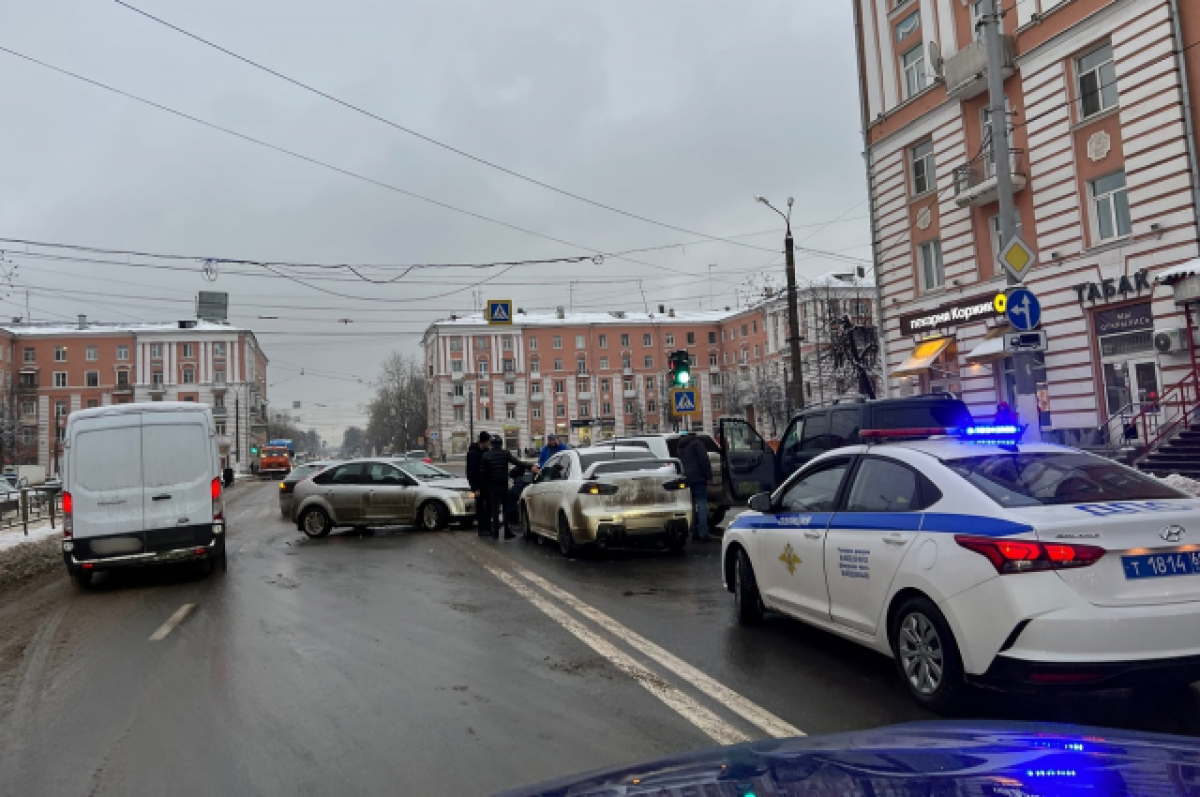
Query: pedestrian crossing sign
x=683, y=401
x=499, y=311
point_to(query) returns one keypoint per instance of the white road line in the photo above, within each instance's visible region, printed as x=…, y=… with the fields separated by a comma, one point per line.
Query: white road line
x=171, y=622
x=712, y=725
x=747, y=709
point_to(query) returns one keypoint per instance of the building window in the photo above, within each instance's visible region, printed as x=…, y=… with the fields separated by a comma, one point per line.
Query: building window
x=91, y=379
x=691, y=338
x=629, y=408
x=60, y=378
x=485, y=414
x=712, y=337
x=506, y=343
x=606, y=408
x=156, y=350
x=28, y=408
x=558, y=365
x=649, y=361
x=651, y=406
x=535, y=365
x=510, y=389
x=922, y=168
x=459, y=414
x=221, y=429
x=30, y=354
x=581, y=367
x=91, y=354
x=509, y=367
x=560, y=411
x=455, y=344
x=579, y=344
x=914, y=71
x=712, y=359
x=557, y=341
x=626, y=361
x=907, y=26
x=585, y=409
x=1110, y=206
x=156, y=379
x=458, y=390
x=625, y=341
x=717, y=403
x=510, y=413
x=756, y=351
x=649, y=383
x=605, y=385
x=60, y=354
x=189, y=376
x=483, y=368
x=218, y=349
x=28, y=380
x=602, y=341
x=647, y=340
x=481, y=343
x=745, y=334
x=533, y=344
x=537, y=412
x=669, y=339
x=994, y=228
x=484, y=392
x=1097, y=82
x=122, y=379
x=122, y=352
x=189, y=350
x=603, y=363
x=629, y=384
x=60, y=409
x=456, y=366
x=932, y=273
x=560, y=386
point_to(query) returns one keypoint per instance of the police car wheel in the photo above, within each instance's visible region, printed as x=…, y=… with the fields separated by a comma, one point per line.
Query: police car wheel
x=927, y=655
x=745, y=592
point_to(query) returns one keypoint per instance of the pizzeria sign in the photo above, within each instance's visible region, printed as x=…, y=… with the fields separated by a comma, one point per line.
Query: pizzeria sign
x=952, y=314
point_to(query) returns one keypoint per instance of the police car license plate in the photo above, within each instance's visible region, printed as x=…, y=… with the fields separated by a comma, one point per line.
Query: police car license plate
x=1160, y=565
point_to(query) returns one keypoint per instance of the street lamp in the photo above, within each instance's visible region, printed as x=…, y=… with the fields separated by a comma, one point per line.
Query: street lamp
x=793, y=311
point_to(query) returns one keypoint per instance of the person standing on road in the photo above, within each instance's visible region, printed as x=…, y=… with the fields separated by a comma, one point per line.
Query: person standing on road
x=551, y=448
x=476, y=482
x=697, y=471
x=494, y=470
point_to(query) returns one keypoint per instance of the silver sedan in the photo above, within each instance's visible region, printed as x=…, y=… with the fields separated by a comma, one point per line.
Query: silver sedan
x=381, y=492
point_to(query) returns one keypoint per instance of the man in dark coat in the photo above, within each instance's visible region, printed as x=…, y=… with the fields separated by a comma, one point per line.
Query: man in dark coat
x=697, y=471
x=494, y=472
x=475, y=480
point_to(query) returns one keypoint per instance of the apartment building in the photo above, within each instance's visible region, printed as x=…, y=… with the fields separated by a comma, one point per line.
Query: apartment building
x=593, y=376
x=50, y=371
x=1102, y=129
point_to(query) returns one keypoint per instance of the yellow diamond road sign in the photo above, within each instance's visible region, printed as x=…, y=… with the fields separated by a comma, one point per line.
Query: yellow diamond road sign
x=1017, y=258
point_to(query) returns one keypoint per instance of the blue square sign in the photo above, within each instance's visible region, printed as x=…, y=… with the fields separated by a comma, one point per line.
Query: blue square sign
x=499, y=311
x=684, y=401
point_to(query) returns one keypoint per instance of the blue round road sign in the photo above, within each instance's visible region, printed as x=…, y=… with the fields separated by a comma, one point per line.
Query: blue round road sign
x=1024, y=311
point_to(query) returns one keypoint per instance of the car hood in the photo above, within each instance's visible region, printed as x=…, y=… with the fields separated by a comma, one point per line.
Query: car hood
x=991, y=758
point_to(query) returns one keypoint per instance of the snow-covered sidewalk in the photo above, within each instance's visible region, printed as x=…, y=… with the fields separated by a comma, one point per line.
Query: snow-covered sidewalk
x=1183, y=484
x=38, y=530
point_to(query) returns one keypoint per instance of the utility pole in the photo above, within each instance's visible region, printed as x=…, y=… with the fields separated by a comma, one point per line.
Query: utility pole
x=237, y=425
x=1026, y=384
x=789, y=249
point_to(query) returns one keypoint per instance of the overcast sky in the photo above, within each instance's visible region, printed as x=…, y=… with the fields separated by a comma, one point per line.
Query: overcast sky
x=677, y=110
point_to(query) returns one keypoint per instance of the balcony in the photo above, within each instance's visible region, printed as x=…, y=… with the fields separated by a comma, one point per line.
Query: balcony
x=714, y=369
x=29, y=419
x=123, y=389
x=460, y=401
x=157, y=388
x=220, y=387
x=975, y=183
x=966, y=70
x=584, y=395
x=716, y=390
x=535, y=374
x=510, y=375
x=627, y=371
x=536, y=398
x=220, y=412
x=631, y=394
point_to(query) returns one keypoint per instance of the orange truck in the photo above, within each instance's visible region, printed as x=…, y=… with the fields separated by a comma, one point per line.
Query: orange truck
x=274, y=461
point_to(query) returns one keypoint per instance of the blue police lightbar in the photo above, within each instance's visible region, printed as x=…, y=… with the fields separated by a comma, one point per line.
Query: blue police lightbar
x=1002, y=435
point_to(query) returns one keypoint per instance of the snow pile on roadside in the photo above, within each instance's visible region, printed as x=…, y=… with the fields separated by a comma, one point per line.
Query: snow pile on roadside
x=11, y=538
x=22, y=557
x=1183, y=484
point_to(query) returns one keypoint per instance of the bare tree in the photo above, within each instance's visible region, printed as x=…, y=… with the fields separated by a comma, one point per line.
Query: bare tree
x=398, y=413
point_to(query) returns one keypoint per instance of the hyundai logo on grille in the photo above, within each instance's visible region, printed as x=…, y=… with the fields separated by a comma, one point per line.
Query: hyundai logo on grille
x=1173, y=533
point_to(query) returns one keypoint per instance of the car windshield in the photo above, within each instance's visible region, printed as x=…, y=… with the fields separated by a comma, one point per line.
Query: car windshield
x=588, y=460
x=423, y=472
x=1045, y=479
x=275, y=452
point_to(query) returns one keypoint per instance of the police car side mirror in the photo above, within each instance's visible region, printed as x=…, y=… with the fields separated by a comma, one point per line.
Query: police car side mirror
x=761, y=502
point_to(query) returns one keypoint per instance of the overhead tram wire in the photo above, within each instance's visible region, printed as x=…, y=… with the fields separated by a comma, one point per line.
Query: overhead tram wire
x=430, y=139
x=347, y=172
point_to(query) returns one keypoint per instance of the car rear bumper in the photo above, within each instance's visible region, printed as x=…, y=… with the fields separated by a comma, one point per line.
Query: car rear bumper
x=157, y=546
x=1023, y=674
x=617, y=535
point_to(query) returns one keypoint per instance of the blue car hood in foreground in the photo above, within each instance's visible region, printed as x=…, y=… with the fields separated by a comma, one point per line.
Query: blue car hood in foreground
x=991, y=759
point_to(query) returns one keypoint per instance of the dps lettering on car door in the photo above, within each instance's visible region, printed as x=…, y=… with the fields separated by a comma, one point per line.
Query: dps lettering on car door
x=791, y=544
x=869, y=537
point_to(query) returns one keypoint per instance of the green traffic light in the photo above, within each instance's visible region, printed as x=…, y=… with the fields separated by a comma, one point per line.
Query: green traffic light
x=684, y=378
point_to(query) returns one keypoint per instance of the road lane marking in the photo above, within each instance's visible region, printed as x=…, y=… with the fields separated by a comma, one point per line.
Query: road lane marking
x=743, y=707
x=716, y=728
x=171, y=622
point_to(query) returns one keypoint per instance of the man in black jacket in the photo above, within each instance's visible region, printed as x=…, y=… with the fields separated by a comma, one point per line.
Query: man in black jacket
x=697, y=471
x=494, y=472
x=476, y=481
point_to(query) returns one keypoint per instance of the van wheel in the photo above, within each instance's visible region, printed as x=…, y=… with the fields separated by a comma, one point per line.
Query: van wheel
x=432, y=516
x=315, y=523
x=745, y=591
x=566, y=540
x=82, y=578
x=927, y=655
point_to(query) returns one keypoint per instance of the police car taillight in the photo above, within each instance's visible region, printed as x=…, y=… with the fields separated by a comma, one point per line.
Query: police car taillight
x=1027, y=556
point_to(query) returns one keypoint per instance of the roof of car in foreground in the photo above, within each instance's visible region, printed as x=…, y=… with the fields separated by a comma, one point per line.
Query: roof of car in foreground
x=953, y=448
x=617, y=447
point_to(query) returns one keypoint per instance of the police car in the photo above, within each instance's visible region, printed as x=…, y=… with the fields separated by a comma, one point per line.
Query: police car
x=974, y=560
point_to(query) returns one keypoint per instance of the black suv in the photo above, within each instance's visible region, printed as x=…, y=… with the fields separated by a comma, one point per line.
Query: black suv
x=753, y=467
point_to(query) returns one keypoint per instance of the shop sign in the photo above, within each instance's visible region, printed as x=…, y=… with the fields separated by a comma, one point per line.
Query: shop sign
x=1113, y=287
x=1126, y=319
x=953, y=314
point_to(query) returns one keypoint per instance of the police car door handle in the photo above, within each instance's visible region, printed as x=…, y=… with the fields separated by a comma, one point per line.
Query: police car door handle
x=895, y=539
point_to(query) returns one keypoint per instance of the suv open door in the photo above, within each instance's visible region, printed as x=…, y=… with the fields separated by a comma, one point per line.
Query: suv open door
x=749, y=461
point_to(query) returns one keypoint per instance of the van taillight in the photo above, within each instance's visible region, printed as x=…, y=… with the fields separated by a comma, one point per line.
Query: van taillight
x=216, y=500
x=216, y=489
x=68, y=521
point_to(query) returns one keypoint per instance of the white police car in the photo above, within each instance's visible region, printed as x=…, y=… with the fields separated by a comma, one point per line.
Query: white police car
x=1028, y=566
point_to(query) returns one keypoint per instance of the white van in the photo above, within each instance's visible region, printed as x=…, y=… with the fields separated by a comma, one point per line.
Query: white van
x=141, y=486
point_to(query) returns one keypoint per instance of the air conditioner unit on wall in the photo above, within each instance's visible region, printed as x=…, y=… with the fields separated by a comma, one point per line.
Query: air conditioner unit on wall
x=1171, y=341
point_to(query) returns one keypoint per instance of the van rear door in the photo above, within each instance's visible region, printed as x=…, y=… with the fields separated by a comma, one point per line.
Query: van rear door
x=104, y=477
x=179, y=468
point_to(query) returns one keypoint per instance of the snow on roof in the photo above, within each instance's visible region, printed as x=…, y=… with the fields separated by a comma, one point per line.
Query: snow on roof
x=838, y=279
x=1179, y=272
x=104, y=328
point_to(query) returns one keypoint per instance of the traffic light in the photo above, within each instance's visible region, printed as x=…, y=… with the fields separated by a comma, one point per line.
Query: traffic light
x=680, y=365
x=254, y=451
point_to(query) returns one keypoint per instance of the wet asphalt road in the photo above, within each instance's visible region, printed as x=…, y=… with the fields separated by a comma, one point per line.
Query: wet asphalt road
x=440, y=664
